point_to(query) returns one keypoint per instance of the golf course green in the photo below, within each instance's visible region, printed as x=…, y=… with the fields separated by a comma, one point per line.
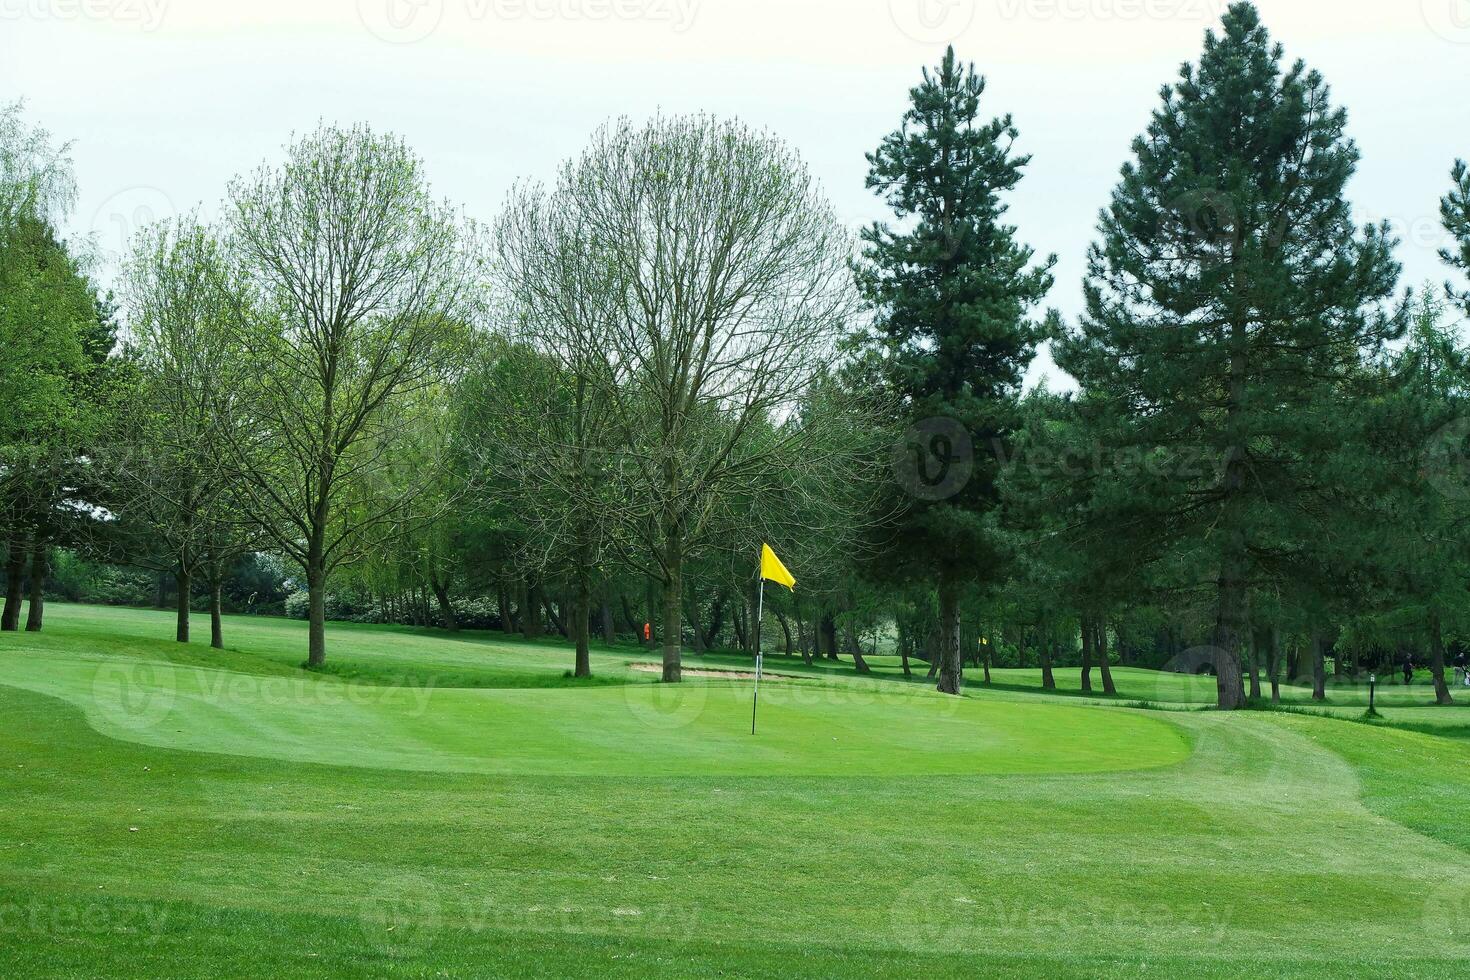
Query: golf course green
x=439, y=805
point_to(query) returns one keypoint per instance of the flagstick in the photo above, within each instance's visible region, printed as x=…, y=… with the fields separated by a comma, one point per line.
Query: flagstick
x=760, y=608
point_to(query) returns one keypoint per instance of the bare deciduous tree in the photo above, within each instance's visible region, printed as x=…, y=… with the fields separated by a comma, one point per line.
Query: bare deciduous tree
x=171, y=492
x=360, y=292
x=712, y=285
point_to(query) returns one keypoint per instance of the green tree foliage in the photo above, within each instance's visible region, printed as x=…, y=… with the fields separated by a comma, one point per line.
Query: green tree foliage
x=56, y=381
x=1455, y=211
x=1230, y=304
x=950, y=289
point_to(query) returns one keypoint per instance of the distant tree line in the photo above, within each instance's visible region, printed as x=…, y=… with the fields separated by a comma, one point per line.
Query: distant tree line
x=585, y=416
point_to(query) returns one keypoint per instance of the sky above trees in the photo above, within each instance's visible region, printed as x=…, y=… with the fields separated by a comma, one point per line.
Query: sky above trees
x=169, y=95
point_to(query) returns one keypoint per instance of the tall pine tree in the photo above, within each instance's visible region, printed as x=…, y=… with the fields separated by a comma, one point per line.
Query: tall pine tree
x=1455, y=208
x=1230, y=302
x=951, y=290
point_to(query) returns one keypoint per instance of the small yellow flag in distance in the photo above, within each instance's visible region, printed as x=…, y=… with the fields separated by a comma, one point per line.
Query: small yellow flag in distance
x=773, y=571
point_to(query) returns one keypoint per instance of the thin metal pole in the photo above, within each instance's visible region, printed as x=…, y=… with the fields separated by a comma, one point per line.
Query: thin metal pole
x=760, y=611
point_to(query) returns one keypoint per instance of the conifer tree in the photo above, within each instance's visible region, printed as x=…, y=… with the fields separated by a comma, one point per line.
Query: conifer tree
x=1230, y=303
x=951, y=290
x=1455, y=208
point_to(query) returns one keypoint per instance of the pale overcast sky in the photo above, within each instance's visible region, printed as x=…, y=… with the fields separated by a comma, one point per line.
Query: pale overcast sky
x=167, y=99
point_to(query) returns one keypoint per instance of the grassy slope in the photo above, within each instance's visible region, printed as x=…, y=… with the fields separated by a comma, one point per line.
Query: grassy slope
x=1281, y=845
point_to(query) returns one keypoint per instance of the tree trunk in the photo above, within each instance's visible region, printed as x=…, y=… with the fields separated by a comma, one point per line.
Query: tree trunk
x=1319, y=668
x=216, y=612
x=531, y=614
x=15, y=570
x=1436, y=660
x=652, y=594
x=502, y=600
x=634, y=626
x=605, y=614
x=184, y=584
x=1273, y=662
x=1087, y=637
x=857, y=652
x=716, y=620
x=316, y=616
x=1048, y=678
x=40, y=568
x=1100, y=648
x=447, y=618
x=785, y=632
x=827, y=636
x=691, y=616
x=951, y=671
x=673, y=599
x=581, y=624
x=1229, y=619
x=1257, y=646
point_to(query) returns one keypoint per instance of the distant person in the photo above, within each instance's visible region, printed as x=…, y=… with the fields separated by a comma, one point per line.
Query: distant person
x=1408, y=668
x=1462, y=669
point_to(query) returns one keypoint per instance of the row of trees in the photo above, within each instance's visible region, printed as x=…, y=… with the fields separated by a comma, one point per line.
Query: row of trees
x=589, y=413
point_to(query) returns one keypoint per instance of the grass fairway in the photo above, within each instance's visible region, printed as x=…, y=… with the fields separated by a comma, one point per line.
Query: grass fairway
x=456, y=807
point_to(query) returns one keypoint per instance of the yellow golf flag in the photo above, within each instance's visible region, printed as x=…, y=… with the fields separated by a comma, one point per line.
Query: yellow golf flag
x=773, y=571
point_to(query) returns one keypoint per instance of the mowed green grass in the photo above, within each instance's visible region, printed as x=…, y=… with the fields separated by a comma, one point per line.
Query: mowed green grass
x=455, y=807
